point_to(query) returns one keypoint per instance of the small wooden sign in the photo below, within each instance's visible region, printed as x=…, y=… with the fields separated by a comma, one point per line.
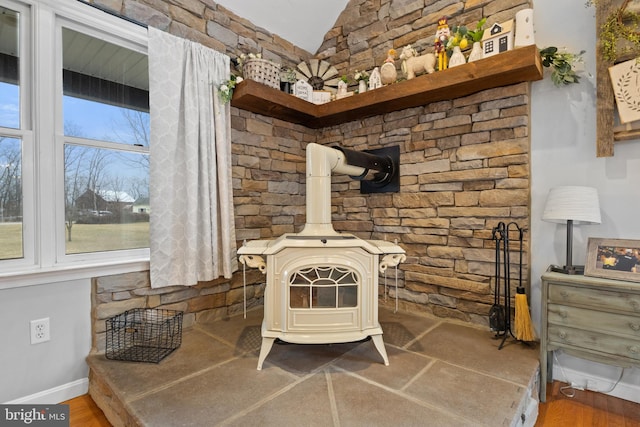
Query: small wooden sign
x=625, y=79
x=321, y=96
x=303, y=90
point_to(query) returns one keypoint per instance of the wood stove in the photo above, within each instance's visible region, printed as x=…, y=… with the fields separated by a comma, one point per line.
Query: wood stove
x=322, y=286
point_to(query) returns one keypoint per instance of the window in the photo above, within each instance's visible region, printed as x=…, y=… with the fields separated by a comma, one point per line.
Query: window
x=106, y=127
x=488, y=46
x=10, y=198
x=323, y=287
x=11, y=137
x=74, y=140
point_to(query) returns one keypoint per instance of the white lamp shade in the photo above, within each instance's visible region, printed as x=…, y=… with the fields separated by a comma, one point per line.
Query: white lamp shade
x=579, y=204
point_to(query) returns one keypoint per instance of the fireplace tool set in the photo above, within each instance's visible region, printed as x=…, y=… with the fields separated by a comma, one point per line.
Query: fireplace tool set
x=500, y=312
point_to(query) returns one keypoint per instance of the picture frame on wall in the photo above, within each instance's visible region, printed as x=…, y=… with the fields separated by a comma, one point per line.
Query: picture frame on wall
x=626, y=87
x=613, y=259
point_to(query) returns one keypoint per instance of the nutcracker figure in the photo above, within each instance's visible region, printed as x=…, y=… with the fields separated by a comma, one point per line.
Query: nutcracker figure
x=442, y=37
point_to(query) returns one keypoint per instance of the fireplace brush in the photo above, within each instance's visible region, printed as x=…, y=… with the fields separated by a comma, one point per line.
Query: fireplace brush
x=523, y=325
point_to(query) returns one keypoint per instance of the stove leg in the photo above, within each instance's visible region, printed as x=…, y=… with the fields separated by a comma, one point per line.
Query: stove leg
x=377, y=341
x=267, y=343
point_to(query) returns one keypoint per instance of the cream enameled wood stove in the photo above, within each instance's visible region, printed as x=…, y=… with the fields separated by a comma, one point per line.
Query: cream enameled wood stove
x=322, y=286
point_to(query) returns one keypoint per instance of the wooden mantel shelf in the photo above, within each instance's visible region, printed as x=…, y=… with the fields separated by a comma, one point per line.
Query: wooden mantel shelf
x=515, y=66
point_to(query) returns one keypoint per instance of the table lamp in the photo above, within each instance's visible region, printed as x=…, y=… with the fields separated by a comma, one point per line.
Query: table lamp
x=572, y=205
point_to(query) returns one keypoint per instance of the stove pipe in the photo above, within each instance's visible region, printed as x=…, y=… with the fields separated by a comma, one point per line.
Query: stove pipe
x=321, y=162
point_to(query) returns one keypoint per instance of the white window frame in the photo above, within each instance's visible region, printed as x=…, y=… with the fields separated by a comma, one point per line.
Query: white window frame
x=42, y=132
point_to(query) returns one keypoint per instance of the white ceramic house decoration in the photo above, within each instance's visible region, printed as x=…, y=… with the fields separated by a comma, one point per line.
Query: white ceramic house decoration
x=375, y=80
x=498, y=39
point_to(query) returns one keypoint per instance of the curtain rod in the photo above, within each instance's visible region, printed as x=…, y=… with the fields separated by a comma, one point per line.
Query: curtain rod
x=113, y=13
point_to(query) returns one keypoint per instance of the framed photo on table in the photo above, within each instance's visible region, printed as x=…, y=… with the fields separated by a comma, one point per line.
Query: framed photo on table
x=613, y=259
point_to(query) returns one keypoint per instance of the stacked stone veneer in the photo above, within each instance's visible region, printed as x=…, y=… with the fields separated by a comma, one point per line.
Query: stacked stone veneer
x=464, y=163
x=464, y=168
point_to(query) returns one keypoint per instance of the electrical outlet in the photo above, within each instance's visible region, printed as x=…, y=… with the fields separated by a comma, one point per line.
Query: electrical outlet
x=40, y=331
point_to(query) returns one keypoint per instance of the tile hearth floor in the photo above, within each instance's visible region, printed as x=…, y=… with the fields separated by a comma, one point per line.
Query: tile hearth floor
x=440, y=373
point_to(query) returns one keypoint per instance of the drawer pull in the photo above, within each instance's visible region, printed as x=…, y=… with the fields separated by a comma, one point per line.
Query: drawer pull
x=565, y=294
x=563, y=314
x=634, y=326
x=634, y=349
x=562, y=334
x=635, y=305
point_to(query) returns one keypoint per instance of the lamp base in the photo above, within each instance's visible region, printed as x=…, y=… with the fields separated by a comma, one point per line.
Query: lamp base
x=572, y=269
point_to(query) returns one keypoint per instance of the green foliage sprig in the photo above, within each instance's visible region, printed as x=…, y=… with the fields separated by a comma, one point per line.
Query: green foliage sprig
x=476, y=35
x=562, y=65
x=288, y=74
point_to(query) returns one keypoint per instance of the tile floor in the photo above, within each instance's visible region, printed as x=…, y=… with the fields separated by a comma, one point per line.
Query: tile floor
x=440, y=373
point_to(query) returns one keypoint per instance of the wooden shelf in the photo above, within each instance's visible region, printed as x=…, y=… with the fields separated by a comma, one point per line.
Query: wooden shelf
x=515, y=66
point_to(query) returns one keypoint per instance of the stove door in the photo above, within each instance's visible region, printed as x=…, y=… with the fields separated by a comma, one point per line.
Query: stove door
x=323, y=295
x=325, y=290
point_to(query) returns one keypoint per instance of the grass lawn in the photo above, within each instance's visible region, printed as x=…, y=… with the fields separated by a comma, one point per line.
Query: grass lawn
x=84, y=238
x=10, y=240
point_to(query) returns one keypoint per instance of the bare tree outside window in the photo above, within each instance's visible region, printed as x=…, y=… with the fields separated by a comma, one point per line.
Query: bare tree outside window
x=101, y=190
x=10, y=198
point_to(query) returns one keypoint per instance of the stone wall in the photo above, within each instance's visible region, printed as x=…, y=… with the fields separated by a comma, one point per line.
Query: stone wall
x=464, y=162
x=366, y=30
x=210, y=24
x=464, y=167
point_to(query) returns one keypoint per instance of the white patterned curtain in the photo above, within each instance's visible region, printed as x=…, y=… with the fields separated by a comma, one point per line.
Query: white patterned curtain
x=192, y=217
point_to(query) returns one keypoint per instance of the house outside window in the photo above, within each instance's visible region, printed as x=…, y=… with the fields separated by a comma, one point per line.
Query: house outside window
x=74, y=140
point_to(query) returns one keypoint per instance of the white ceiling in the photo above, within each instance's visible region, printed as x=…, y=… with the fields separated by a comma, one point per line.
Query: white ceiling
x=302, y=22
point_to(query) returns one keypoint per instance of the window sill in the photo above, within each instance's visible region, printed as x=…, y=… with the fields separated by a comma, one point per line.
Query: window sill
x=63, y=273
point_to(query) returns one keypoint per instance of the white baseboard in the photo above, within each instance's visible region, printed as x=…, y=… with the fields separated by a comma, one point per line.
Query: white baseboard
x=55, y=395
x=597, y=383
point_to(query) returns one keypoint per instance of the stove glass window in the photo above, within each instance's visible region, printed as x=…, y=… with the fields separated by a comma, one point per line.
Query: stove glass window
x=323, y=287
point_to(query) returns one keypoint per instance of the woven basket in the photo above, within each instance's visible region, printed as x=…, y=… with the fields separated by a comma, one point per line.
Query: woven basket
x=262, y=71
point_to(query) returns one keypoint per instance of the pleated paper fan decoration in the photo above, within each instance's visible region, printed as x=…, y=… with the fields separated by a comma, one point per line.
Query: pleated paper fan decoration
x=319, y=74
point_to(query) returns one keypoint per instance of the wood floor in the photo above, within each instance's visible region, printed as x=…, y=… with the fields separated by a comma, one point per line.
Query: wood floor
x=586, y=408
x=83, y=412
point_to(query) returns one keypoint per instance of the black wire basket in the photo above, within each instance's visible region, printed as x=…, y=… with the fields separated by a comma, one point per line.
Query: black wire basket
x=143, y=335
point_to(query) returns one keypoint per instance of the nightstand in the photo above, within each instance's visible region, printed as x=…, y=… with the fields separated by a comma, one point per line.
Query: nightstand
x=591, y=318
